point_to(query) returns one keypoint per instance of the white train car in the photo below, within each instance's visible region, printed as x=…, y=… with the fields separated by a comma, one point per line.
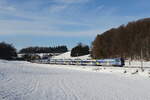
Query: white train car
x=99, y=62
x=110, y=62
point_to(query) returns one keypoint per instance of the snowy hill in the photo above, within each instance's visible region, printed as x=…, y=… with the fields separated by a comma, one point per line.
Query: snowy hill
x=67, y=56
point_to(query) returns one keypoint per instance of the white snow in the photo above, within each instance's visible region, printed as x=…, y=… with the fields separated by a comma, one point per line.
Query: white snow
x=137, y=63
x=67, y=56
x=27, y=81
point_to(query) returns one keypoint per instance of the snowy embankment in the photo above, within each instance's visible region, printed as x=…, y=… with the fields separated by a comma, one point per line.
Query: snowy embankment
x=27, y=81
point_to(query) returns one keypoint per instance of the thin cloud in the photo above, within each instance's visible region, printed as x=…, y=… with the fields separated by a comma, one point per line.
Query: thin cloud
x=7, y=8
x=61, y=5
x=57, y=8
x=71, y=1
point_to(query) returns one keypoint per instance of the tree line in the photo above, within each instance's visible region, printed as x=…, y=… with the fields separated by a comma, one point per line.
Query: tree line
x=9, y=52
x=57, y=49
x=128, y=41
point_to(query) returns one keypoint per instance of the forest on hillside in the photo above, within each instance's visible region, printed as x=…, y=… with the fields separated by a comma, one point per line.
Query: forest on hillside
x=128, y=41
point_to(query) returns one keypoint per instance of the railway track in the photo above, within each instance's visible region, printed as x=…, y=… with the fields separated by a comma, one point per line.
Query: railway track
x=132, y=67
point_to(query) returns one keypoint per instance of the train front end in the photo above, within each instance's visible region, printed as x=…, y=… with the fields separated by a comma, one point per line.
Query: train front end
x=110, y=62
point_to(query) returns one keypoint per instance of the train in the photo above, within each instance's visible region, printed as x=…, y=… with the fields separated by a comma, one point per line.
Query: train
x=85, y=62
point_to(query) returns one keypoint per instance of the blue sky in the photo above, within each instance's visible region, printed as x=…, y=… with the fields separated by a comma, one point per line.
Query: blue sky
x=56, y=22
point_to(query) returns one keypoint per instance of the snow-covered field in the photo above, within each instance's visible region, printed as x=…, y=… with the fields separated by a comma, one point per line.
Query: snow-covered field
x=27, y=81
